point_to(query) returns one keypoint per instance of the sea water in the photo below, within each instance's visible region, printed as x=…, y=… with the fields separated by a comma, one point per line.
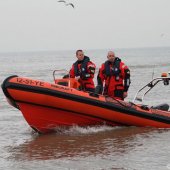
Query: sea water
x=92, y=148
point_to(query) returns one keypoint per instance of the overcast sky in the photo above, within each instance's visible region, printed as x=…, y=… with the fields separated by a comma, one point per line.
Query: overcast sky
x=33, y=25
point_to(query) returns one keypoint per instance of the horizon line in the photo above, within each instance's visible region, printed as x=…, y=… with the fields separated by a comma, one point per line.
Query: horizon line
x=85, y=49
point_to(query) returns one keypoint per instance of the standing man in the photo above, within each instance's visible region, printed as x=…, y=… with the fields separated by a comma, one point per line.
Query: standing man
x=116, y=76
x=84, y=70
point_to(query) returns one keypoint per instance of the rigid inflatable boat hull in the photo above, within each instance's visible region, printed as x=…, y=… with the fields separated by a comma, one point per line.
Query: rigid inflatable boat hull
x=46, y=106
x=45, y=119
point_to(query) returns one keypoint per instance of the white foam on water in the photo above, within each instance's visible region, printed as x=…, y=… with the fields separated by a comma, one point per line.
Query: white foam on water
x=84, y=130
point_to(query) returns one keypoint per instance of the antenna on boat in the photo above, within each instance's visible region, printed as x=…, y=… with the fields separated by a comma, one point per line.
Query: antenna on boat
x=153, y=72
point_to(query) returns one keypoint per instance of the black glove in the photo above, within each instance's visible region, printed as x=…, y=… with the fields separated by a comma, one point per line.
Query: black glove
x=92, y=70
x=66, y=76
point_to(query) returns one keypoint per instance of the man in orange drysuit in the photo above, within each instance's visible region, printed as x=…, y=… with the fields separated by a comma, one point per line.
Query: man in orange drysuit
x=84, y=70
x=116, y=76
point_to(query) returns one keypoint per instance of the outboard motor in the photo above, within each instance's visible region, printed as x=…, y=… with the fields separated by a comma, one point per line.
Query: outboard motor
x=164, y=107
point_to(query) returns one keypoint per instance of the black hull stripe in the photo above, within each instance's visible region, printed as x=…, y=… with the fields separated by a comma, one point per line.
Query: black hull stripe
x=106, y=105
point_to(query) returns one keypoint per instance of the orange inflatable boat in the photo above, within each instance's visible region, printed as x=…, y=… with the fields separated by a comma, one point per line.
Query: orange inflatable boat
x=46, y=106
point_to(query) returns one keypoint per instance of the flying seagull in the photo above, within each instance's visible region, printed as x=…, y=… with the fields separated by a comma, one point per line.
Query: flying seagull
x=70, y=4
x=62, y=1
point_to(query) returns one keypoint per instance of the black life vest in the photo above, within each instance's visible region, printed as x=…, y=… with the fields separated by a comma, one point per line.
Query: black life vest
x=83, y=68
x=114, y=70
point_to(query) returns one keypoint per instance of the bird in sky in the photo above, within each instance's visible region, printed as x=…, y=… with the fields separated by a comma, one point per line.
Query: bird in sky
x=70, y=4
x=62, y=1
